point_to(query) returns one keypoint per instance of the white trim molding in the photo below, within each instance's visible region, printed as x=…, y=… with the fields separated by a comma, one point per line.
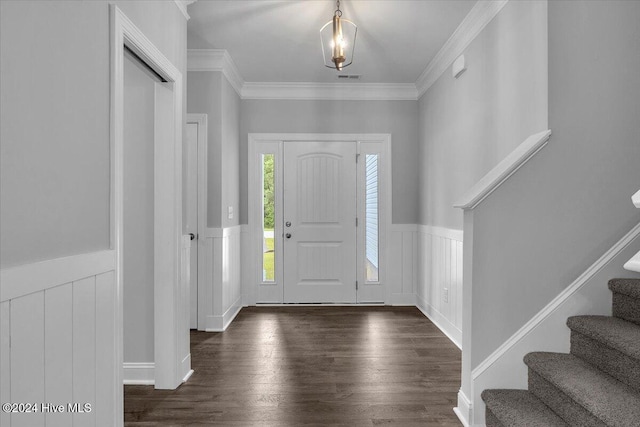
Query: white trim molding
x=635, y=199
x=464, y=409
x=331, y=91
x=182, y=5
x=633, y=264
x=448, y=233
x=503, y=170
x=170, y=321
x=138, y=373
x=475, y=21
x=216, y=60
x=26, y=279
x=221, y=323
x=220, y=60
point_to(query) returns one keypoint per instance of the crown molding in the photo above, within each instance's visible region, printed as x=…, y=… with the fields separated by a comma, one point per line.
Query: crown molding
x=478, y=18
x=331, y=91
x=182, y=5
x=215, y=60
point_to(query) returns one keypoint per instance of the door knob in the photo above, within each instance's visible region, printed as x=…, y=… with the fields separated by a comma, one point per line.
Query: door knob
x=193, y=236
x=288, y=223
x=288, y=235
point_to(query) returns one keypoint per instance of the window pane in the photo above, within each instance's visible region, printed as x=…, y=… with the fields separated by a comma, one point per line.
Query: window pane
x=268, y=216
x=371, y=217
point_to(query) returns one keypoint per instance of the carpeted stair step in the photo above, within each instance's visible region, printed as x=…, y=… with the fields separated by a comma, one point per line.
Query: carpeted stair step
x=609, y=343
x=626, y=299
x=517, y=408
x=581, y=394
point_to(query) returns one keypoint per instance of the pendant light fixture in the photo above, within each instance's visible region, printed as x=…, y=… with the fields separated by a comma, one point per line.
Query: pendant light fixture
x=338, y=38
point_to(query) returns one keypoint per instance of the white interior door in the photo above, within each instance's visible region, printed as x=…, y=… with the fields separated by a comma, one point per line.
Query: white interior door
x=319, y=222
x=191, y=215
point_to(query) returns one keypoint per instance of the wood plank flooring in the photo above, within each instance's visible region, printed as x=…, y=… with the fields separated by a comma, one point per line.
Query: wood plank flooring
x=312, y=366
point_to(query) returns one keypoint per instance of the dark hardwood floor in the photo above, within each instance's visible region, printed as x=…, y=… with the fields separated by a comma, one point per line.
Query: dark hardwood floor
x=303, y=366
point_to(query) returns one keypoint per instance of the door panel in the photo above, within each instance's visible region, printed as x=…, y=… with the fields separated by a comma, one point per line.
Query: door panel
x=191, y=215
x=320, y=205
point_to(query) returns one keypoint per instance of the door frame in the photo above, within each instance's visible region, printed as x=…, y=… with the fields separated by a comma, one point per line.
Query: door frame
x=201, y=120
x=170, y=323
x=259, y=143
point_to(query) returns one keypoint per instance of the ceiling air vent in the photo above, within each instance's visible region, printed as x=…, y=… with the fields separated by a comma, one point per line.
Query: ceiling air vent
x=349, y=76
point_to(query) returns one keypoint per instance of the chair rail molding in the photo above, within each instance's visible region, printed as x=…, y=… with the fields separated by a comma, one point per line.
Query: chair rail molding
x=26, y=279
x=503, y=170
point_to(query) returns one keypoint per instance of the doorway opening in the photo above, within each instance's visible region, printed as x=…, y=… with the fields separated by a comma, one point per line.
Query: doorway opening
x=319, y=205
x=171, y=363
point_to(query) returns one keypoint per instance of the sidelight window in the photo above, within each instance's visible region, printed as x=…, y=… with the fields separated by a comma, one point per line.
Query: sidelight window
x=268, y=218
x=371, y=217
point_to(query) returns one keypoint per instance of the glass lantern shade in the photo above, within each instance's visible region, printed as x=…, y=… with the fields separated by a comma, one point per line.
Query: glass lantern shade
x=338, y=38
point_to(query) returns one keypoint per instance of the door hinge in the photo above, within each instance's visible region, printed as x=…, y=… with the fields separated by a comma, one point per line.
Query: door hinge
x=356, y=221
x=357, y=157
x=356, y=285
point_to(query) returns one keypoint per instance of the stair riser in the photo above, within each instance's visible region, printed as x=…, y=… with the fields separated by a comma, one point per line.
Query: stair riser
x=566, y=408
x=491, y=420
x=620, y=366
x=626, y=307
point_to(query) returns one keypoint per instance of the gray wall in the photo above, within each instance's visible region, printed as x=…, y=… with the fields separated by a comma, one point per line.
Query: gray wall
x=210, y=93
x=54, y=121
x=568, y=205
x=469, y=124
x=399, y=118
x=138, y=248
x=231, y=154
x=204, y=95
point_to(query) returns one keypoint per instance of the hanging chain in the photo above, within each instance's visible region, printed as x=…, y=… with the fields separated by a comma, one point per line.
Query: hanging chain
x=338, y=11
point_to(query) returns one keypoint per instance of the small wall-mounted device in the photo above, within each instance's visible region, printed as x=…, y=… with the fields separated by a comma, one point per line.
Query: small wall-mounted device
x=458, y=67
x=230, y=212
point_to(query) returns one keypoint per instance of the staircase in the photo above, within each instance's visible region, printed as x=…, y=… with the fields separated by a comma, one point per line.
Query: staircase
x=596, y=384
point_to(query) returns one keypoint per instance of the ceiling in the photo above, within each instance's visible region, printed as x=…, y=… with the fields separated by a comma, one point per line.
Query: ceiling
x=279, y=41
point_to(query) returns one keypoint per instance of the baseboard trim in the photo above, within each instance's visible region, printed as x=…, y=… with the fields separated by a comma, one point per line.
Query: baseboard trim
x=221, y=323
x=186, y=377
x=138, y=373
x=441, y=322
x=402, y=300
x=463, y=410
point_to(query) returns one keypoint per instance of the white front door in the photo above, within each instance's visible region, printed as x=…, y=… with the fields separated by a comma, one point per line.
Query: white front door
x=319, y=222
x=191, y=215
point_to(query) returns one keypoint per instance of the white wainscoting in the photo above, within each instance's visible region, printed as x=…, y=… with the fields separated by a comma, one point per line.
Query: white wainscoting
x=402, y=255
x=219, y=265
x=58, y=339
x=439, y=287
